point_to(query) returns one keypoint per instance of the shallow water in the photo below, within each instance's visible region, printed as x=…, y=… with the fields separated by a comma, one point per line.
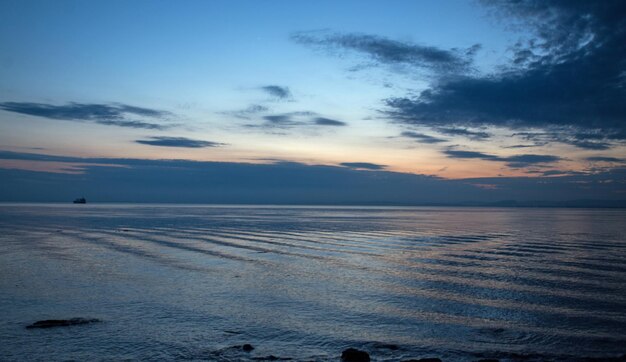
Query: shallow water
x=181, y=282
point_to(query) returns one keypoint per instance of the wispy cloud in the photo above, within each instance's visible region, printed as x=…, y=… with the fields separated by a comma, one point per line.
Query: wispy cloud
x=515, y=161
x=471, y=154
x=590, y=139
x=321, y=121
x=277, y=91
x=178, y=142
x=422, y=138
x=363, y=165
x=521, y=161
x=387, y=51
x=247, y=112
x=106, y=114
x=558, y=172
x=281, y=121
x=296, y=119
x=606, y=159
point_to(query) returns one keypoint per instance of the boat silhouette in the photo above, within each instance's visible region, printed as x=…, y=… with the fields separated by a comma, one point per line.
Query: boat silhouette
x=81, y=200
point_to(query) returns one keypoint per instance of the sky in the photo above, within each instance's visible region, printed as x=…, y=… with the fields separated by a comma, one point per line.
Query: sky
x=313, y=102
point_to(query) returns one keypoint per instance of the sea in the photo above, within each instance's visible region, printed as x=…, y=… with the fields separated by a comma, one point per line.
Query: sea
x=304, y=283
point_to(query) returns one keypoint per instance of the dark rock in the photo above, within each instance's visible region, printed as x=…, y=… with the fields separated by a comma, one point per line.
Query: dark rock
x=488, y=360
x=392, y=347
x=247, y=347
x=354, y=355
x=271, y=357
x=423, y=360
x=49, y=323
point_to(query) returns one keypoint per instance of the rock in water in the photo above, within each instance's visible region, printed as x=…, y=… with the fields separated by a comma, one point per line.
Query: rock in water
x=389, y=346
x=247, y=347
x=354, y=355
x=49, y=323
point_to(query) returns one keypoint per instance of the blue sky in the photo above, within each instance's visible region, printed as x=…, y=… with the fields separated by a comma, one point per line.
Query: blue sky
x=447, y=89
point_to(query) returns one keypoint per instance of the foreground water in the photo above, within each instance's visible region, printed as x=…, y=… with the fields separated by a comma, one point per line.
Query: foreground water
x=190, y=282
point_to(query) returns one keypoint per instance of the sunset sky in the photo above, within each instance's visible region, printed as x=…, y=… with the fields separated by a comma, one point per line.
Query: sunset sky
x=445, y=90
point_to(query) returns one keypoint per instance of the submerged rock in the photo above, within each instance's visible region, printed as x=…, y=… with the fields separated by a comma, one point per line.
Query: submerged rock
x=49, y=323
x=247, y=347
x=423, y=360
x=354, y=355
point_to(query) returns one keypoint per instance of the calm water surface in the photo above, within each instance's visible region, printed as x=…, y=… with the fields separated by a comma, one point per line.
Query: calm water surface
x=189, y=282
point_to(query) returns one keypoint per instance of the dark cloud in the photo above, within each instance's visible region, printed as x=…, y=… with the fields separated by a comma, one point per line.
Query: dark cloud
x=131, y=124
x=363, y=165
x=178, y=142
x=279, y=119
x=558, y=173
x=184, y=181
x=521, y=161
x=321, y=121
x=588, y=145
x=295, y=119
x=422, y=138
x=590, y=140
x=537, y=138
x=474, y=135
x=106, y=114
x=471, y=154
x=605, y=159
x=277, y=91
x=520, y=146
x=387, y=51
x=516, y=161
x=569, y=78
